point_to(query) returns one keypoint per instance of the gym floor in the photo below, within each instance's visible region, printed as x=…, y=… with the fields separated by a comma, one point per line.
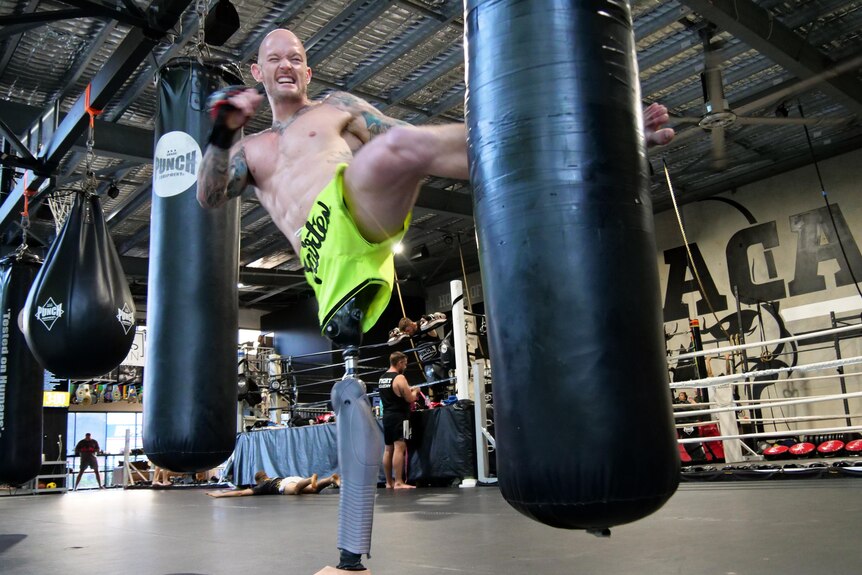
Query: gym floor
x=804, y=526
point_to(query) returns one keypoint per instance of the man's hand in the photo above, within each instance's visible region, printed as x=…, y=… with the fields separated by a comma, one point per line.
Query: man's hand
x=231, y=108
x=655, y=116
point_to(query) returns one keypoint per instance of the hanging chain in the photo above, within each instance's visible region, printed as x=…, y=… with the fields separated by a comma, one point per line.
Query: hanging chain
x=25, y=218
x=90, y=183
x=200, y=44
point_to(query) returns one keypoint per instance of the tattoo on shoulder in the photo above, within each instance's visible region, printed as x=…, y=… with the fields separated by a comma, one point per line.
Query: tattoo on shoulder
x=343, y=100
x=377, y=123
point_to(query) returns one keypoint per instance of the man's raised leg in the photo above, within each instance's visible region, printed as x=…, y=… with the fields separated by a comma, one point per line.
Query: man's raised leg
x=382, y=181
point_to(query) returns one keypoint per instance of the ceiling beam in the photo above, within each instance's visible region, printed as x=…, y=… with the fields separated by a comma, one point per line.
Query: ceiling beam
x=799, y=160
x=342, y=28
x=112, y=140
x=762, y=31
x=13, y=41
x=376, y=63
x=137, y=45
x=287, y=12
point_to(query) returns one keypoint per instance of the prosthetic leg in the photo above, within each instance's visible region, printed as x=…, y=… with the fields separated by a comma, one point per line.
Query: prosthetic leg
x=360, y=444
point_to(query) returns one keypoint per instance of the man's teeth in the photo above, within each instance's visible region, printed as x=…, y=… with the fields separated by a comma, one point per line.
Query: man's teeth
x=286, y=81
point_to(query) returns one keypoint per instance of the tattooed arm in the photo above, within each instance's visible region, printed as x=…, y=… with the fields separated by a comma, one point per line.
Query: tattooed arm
x=367, y=120
x=223, y=175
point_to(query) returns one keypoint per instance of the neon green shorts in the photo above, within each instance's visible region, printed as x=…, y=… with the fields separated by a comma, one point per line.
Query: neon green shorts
x=339, y=263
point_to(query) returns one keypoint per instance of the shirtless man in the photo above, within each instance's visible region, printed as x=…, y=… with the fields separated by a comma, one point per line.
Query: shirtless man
x=339, y=179
x=292, y=165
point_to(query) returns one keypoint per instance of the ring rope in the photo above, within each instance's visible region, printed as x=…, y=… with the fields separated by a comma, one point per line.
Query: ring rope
x=771, y=420
x=791, y=379
x=728, y=349
x=373, y=394
x=722, y=379
x=771, y=434
x=795, y=379
x=780, y=403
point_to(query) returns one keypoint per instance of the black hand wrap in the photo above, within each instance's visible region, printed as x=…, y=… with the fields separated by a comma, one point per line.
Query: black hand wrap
x=221, y=136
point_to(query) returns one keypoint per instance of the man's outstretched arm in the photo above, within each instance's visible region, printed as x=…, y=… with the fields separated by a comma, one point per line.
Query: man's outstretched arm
x=240, y=493
x=223, y=175
x=224, y=170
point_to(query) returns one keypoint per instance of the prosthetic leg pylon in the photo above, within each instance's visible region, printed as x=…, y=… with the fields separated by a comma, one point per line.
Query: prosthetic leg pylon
x=360, y=443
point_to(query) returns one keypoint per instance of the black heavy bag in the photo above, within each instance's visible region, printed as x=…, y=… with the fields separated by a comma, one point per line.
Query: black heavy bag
x=80, y=319
x=192, y=315
x=21, y=377
x=559, y=173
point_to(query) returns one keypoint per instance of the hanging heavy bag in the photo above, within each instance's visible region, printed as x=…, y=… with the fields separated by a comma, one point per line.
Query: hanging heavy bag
x=585, y=437
x=21, y=377
x=192, y=312
x=80, y=317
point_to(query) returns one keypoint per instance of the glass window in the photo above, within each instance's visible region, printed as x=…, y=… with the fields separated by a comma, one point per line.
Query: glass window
x=92, y=423
x=117, y=424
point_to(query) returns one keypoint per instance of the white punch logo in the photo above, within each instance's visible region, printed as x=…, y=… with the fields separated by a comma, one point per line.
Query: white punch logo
x=176, y=163
x=126, y=317
x=49, y=313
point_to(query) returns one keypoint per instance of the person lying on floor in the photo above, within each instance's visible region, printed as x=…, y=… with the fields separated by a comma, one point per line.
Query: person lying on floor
x=294, y=485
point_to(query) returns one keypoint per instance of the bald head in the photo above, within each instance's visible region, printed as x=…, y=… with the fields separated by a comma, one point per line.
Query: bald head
x=282, y=68
x=276, y=39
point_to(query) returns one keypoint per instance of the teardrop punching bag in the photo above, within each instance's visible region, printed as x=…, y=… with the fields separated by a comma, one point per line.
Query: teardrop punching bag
x=80, y=319
x=192, y=315
x=585, y=434
x=21, y=377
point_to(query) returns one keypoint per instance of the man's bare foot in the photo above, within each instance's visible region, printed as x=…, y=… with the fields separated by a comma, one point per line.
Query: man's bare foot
x=336, y=479
x=389, y=486
x=335, y=571
x=404, y=486
x=314, y=481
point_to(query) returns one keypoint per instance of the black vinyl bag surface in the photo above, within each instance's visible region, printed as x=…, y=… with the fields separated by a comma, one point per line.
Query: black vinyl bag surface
x=582, y=414
x=192, y=301
x=21, y=376
x=80, y=316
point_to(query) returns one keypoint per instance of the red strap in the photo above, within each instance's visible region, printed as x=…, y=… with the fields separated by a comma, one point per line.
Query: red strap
x=93, y=112
x=28, y=193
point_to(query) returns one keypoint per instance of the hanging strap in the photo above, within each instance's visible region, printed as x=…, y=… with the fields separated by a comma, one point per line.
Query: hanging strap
x=91, y=111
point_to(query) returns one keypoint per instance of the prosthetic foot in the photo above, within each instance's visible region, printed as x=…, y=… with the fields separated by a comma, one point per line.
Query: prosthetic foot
x=360, y=444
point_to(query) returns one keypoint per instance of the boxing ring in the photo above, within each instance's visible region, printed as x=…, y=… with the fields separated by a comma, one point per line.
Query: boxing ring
x=805, y=435
x=724, y=431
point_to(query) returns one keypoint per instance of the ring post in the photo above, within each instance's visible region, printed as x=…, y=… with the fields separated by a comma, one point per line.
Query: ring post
x=480, y=408
x=459, y=330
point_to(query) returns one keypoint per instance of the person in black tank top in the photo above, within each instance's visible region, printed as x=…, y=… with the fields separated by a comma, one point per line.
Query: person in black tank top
x=396, y=395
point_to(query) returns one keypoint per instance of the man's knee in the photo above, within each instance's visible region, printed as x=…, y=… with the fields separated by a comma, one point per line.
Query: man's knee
x=409, y=146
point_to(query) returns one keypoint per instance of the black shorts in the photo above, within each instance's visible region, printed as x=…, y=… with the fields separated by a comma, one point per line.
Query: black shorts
x=89, y=460
x=393, y=428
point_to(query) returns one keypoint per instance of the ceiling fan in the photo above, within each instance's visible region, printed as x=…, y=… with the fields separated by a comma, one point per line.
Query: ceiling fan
x=718, y=114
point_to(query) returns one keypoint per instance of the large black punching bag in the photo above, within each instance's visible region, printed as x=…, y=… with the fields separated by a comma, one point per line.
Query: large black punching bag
x=192, y=316
x=582, y=408
x=21, y=376
x=80, y=318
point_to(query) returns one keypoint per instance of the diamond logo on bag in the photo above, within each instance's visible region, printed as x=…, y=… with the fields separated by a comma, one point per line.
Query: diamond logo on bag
x=49, y=313
x=126, y=317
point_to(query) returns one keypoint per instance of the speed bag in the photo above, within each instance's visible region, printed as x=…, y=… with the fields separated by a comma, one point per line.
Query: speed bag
x=80, y=317
x=21, y=377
